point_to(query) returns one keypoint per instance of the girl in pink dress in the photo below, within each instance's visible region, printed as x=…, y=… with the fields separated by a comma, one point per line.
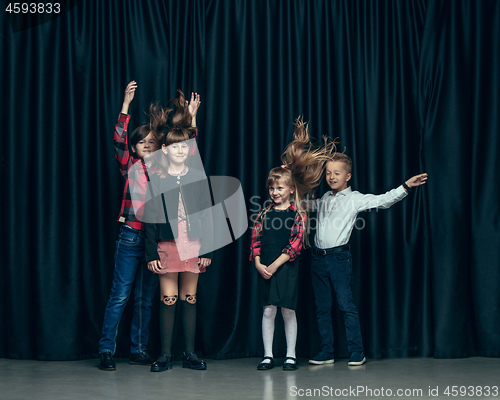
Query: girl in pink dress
x=177, y=247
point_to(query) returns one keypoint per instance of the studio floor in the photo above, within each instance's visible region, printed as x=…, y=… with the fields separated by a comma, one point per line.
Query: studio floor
x=422, y=378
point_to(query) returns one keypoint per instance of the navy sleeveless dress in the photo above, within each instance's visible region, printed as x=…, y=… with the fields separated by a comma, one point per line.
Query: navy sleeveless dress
x=281, y=290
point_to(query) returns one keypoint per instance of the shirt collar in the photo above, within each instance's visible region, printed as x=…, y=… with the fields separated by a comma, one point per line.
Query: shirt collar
x=344, y=192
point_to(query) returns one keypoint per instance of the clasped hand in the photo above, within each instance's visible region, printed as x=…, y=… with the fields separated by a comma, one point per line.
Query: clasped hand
x=266, y=271
x=155, y=265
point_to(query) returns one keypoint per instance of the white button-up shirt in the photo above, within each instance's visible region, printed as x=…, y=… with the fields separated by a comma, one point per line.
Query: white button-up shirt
x=337, y=213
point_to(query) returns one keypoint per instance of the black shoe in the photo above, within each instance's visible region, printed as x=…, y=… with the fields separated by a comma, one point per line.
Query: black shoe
x=192, y=361
x=266, y=366
x=141, y=358
x=163, y=363
x=107, y=363
x=290, y=365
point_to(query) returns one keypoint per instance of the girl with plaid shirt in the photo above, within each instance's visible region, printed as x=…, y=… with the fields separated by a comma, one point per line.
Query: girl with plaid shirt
x=278, y=237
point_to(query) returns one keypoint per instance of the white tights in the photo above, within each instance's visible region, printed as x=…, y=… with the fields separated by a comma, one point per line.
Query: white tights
x=290, y=319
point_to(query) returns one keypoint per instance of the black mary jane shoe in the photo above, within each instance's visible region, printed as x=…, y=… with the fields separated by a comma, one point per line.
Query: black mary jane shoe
x=265, y=366
x=163, y=363
x=192, y=361
x=290, y=366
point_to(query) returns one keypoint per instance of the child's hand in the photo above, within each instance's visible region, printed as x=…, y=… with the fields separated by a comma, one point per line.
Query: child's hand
x=194, y=104
x=272, y=268
x=154, y=266
x=262, y=270
x=130, y=92
x=129, y=96
x=417, y=180
x=204, y=263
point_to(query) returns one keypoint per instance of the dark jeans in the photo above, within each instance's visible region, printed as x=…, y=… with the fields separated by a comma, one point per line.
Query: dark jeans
x=335, y=271
x=129, y=267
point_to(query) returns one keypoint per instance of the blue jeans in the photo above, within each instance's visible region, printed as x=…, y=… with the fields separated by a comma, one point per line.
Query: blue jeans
x=129, y=267
x=335, y=271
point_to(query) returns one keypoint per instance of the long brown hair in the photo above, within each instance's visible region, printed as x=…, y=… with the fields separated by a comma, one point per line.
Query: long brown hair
x=303, y=168
x=175, y=129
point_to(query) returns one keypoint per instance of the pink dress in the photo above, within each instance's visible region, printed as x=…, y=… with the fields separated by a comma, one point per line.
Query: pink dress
x=181, y=254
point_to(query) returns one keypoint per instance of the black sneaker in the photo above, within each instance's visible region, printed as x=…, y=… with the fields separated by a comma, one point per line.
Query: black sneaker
x=141, y=358
x=357, y=358
x=107, y=363
x=322, y=358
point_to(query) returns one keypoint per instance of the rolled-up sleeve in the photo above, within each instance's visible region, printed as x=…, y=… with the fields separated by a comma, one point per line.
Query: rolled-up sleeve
x=295, y=244
x=256, y=239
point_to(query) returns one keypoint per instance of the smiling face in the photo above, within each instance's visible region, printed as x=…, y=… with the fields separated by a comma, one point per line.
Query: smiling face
x=337, y=176
x=177, y=153
x=145, y=146
x=280, y=193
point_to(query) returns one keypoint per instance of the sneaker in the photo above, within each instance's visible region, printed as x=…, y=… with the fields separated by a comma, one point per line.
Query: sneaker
x=322, y=358
x=107, y=363
x=357, y=358
x=141, y=358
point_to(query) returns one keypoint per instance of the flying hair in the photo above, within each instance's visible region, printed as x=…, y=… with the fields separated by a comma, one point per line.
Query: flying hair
x=303, y=166
x=173, y=125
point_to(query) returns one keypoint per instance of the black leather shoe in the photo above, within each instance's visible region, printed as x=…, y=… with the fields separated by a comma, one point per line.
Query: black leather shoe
x=107, y=363
x=266, y=366
x=141, y=358
x=290, y=365
x=192, y=361
x=163, y=363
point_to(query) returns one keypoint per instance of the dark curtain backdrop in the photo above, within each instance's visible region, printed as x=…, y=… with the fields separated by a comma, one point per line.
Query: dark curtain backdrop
x=407, y=87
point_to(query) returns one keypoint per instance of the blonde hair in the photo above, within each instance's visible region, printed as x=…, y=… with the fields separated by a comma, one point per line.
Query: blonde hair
x=343, y=158
x=280, y=174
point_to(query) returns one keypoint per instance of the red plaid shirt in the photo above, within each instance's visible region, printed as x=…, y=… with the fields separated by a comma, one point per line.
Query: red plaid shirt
x=125, y=161
x=295, y=243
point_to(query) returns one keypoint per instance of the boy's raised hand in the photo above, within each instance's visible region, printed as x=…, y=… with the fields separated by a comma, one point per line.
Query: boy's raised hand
x=417, y=180
x=129, y=96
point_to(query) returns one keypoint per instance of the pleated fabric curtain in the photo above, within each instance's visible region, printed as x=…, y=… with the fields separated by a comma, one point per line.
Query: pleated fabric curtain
x=406, y=86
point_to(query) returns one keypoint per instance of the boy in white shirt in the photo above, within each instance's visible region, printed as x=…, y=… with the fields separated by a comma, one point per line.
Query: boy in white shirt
x=332, y=262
